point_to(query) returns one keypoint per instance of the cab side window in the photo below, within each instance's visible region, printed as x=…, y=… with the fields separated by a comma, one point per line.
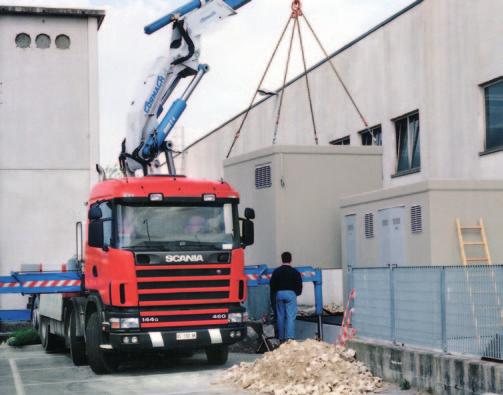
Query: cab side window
x=106, y=209
x=100, y=224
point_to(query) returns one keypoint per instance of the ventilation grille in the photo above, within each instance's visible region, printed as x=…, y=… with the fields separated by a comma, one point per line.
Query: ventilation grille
x=416, y=219
x=263, y=176
x=369, y=225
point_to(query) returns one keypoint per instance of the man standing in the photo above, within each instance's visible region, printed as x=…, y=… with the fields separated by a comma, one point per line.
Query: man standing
x=286, y=285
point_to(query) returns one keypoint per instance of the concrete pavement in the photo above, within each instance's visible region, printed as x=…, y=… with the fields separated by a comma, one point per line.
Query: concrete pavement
x=29, y=370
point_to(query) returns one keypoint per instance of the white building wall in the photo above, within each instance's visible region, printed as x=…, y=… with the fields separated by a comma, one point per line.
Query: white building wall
x=49, y=138
x=431, y=58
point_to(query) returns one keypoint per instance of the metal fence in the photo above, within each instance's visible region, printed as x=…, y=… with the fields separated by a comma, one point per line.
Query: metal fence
x=449, y=308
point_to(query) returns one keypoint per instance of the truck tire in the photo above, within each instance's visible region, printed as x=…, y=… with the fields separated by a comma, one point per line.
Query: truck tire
x=217, y=355
x=50, y=342
x=35, y=319
x=100, y=361
x=76, y=344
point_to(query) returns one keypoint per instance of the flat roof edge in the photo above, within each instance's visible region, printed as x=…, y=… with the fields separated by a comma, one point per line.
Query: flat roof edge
x=420, y=187
x=54, y=11
x=303, y=150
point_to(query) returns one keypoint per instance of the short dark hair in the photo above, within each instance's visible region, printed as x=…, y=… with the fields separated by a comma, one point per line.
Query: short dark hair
x=286, y=257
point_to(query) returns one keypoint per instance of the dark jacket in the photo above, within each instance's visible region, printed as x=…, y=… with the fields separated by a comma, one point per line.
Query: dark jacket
x=286, y=278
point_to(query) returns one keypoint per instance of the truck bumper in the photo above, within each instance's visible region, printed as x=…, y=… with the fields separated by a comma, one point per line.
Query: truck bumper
x=168, y=340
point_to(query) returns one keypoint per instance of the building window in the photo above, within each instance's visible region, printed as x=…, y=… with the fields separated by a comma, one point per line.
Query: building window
x=23, y=40
x=62, y=41
x=494, y=115
x=263, y=176
x=342, y=141
x=43, y=41
x=408, y=145
x=372, y=136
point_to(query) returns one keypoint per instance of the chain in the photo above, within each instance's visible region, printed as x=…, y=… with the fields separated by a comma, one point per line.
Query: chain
x=296, y=9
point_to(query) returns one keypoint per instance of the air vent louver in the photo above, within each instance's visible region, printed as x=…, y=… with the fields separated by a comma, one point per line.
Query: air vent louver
x=416, y=219
x=263, y=176
x=369, y=225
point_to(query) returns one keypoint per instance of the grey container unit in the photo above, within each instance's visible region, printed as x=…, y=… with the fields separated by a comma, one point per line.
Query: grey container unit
x=295, y=191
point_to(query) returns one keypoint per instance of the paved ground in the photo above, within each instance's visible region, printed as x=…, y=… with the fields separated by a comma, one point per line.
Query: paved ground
x=29, y=370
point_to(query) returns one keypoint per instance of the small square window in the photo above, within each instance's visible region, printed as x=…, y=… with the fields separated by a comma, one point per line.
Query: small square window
x=372, y=136
x=494, y=114
x=346, y=140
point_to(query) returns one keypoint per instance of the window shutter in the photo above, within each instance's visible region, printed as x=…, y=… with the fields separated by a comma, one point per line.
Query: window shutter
x=263, y=176
x=416, y=219
x=369, y=225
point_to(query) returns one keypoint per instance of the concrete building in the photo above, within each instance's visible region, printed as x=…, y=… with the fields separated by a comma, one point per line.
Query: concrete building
x=48, y=132
x=429, y=81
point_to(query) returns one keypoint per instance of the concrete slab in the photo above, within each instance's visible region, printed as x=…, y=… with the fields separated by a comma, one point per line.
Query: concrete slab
x=29, y=370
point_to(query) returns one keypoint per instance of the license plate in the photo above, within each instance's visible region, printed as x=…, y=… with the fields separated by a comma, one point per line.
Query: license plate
x=186, y=336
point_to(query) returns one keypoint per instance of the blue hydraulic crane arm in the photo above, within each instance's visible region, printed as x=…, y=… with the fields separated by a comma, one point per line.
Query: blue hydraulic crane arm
x=151, y=125
x=185, y=9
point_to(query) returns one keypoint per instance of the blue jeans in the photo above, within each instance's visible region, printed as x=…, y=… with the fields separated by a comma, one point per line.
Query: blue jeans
x=286, y=312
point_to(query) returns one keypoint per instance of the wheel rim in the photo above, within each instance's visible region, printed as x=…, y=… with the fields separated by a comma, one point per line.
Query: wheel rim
x=43, y=331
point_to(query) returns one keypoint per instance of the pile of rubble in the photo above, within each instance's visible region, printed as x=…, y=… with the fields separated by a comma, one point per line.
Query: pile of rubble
x=304, y=368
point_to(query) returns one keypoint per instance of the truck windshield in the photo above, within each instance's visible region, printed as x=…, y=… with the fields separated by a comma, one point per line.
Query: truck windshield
x=176, y=227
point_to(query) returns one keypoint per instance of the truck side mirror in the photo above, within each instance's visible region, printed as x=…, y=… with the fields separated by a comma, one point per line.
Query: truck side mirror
x=249, y=213
x=247, y=233
x=95, y=212
x=95, y=234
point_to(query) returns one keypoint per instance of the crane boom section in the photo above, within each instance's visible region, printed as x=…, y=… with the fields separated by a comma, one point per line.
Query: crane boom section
x=149, y=122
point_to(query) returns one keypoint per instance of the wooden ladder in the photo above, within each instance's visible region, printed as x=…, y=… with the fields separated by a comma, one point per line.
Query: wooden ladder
x=479, y=228
x=470, y=278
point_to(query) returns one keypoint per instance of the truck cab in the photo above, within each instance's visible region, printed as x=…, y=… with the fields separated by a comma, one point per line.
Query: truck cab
x=164, y=268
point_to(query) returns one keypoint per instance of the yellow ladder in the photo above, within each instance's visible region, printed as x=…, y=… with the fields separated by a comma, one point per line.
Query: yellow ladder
x=479, y=228
x=485, y=259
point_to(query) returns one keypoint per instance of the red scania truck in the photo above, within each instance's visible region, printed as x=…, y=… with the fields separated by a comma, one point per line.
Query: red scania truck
x=163, y=269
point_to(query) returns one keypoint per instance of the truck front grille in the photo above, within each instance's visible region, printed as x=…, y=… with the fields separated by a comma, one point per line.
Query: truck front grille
x=172, y=285
x=183, y=296
x=182, y=318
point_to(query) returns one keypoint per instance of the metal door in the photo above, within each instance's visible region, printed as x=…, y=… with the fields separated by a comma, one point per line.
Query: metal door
x=392, y=236
x=350, y=224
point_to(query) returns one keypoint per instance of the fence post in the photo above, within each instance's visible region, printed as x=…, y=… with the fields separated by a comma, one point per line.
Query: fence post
x=350, y=279
x=443, y=319
x=392, y=303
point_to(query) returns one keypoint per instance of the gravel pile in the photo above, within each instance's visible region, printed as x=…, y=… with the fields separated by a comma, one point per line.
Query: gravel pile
x=304, y=368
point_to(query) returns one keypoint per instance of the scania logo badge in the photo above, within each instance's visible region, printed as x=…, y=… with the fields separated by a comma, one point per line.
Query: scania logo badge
x=184, y=258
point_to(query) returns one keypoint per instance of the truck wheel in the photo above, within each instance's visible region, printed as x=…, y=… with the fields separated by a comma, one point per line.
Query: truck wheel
x=50, y=342
x=217, y=355
x=76, y=343
x=100, y=361
x=35, y=319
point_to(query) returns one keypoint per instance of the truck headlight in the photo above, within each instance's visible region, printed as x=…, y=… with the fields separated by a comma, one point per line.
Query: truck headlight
x=129, y=323
x=235, y=317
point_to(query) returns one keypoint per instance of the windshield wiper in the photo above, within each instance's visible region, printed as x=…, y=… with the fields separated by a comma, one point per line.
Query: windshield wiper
x=197, y=243
x=150, y=243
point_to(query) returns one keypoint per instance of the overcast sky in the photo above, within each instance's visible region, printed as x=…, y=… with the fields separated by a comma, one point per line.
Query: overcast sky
x=236, y=50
